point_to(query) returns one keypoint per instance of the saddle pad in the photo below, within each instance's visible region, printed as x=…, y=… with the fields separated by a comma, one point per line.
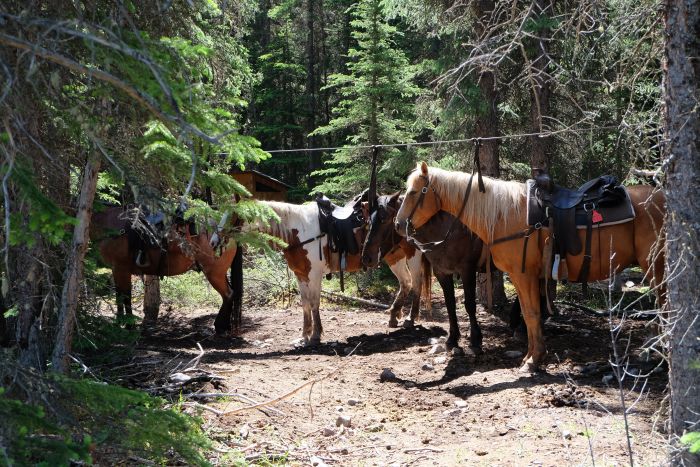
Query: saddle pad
x=619, y=214
x=611, y=215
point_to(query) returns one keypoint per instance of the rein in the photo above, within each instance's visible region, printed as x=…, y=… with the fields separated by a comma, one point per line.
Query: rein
x=394, y=243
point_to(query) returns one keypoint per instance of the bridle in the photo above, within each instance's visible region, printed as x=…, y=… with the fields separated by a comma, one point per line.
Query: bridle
x=428, y=246
x=390, y=232
x=419, y=203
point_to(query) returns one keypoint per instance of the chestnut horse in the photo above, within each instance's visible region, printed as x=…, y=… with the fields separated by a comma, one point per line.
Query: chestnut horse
x=461, y=252
x=308, y=256
x=184, y=252
x=501, y=212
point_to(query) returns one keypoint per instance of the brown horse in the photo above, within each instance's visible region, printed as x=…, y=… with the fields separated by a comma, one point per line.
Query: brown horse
x=461, y=253
x=183, y=252
x=501, y=212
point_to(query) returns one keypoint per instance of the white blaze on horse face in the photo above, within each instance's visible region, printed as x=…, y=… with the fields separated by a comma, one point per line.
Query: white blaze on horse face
x=409, y=200
x=417, y=189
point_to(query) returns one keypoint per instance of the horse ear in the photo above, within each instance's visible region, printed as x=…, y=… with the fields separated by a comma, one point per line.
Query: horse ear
x=395, y=196
x=424, y=168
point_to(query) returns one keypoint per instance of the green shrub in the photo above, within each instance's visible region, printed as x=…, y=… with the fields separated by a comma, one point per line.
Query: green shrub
x=83, y=420
x=103, y=338
x=187, y=290
x=28, y=437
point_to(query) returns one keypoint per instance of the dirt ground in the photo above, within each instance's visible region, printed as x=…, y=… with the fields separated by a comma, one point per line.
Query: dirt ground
x=437, y=409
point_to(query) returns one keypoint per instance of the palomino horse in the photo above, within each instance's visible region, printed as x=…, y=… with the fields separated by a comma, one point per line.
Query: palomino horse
x=309, y=257
x=460, y=252
x=500, y=212
x=184, y=251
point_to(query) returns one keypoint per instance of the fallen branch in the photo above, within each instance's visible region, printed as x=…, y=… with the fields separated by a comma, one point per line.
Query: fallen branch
x=408, y=451
x=292, y=392
x=195, y=361
x=209, y=395
x=348, y=298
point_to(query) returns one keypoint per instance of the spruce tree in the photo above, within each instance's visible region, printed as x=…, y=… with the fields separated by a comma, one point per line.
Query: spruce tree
x=375, y=105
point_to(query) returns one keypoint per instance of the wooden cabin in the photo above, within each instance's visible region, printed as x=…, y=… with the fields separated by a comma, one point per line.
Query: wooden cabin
x=262, y=186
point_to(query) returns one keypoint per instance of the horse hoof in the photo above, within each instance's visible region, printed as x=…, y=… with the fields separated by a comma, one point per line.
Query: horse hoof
x=313, y=342
x=408, y=324
x=452, y=343
x=528, y=367
x=477, y=350
x=393, y=323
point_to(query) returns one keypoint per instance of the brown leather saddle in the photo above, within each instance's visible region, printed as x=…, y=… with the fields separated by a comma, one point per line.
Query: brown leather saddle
x=149, y=230
x=598, y=202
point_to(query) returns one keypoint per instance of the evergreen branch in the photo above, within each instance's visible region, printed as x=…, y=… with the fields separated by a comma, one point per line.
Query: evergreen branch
x=143, y=99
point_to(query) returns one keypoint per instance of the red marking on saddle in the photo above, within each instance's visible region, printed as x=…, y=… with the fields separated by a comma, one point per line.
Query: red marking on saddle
x=597, y=217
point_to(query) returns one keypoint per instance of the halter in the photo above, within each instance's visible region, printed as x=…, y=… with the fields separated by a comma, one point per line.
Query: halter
x=477, y=168
x=428, y=246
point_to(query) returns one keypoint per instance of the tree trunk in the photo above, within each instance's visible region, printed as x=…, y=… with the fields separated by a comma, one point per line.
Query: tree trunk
x=540, y=90
x=27, y=280
x=487, y=125
x=151, y=299
x=73, y=274
x=682, y=94
x=3, y=322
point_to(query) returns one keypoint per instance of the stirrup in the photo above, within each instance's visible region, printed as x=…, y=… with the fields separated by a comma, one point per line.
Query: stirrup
x=139, y=260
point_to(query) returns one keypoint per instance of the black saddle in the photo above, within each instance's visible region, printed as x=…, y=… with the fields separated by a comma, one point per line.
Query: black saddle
x=598, y=202
x=339, y=223
x=149, y=230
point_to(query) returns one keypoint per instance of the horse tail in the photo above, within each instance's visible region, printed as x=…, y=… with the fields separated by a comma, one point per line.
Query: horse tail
x=427, y=282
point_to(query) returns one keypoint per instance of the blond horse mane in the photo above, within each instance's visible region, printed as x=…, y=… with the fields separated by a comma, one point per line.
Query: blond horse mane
x=503, y=200
x=299, y=217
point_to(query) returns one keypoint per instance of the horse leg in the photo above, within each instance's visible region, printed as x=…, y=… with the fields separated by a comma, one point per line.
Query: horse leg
x=310, y=300
x=217, y=279
x=516, y=324
x=416, y=272
x=400, y=270
x=448, y=289
x=122, y=285
x=315, y=290
x=529, y=293
x=469, y=284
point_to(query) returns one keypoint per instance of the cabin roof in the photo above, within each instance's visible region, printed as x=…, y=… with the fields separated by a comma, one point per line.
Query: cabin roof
x=279, y=184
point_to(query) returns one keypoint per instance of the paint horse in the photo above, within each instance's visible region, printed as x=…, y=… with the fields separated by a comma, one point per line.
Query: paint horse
x=182, y=252
x=498, y=217
x=309, y=257
x=408, y=264
x=461, y=252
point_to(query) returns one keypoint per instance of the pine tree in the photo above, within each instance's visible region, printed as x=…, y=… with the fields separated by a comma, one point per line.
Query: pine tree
x=375, y=105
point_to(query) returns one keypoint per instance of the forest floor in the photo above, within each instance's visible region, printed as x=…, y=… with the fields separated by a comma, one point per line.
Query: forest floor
x=438, y=409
